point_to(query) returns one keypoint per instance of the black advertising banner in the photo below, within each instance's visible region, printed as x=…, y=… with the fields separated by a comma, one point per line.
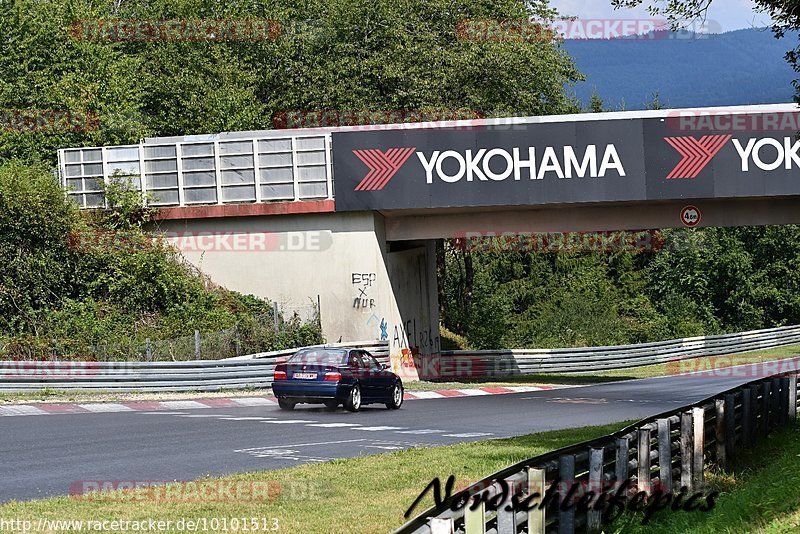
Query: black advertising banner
x=613, y=160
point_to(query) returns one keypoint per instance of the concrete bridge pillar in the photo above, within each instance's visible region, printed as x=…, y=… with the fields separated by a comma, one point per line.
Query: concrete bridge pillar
x=368, y=288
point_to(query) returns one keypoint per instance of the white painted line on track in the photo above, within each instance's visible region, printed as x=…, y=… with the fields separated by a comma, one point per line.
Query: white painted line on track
x=426, y=394
x=378, y=428
x=255, y=401
x=289, y=421
x=21, y=410
x=183, y=405
x=105, y=407
x=247, y=418
x=473, y=392
x=334, y=425
x=301, y=445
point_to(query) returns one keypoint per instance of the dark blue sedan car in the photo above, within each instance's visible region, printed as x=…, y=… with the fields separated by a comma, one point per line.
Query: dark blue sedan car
x=333, y=376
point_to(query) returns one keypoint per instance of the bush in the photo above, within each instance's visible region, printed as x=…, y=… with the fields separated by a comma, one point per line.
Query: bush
x=97, y=285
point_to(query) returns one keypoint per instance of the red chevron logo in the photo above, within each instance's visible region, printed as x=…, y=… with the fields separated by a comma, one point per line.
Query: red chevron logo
x=382, y=166
x=695, y=154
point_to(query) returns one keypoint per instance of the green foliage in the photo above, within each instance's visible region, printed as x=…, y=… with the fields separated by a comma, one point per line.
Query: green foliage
x=340, y=55
x=74, y=281
x=704, y=281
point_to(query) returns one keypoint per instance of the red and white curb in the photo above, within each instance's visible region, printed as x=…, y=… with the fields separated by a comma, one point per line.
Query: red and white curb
x=154, y=406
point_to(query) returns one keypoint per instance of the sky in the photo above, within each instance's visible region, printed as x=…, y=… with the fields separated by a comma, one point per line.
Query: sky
x=723, y=15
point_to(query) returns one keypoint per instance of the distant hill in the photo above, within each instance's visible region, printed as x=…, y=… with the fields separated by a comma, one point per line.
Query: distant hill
x=734, y=68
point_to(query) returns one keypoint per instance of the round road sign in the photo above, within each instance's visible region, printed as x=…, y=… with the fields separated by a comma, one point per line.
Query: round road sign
x=690, y=216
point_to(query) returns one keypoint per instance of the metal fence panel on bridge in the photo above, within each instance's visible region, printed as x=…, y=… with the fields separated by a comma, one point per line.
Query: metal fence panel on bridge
x=205, y=170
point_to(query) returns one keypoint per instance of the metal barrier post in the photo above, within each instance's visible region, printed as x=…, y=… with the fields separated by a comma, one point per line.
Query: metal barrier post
x=566, y=472
x=784, y=407
x=197, y=344
x=536, y=484
x=754, y=421
x=719, y=432
x=506, y=519
x=747, y=418
x=765, y=407
x=699, y=431
x=593, y=517
x=621, y=464
x=775, y=417
x=664, y=455
x=687, y=450
x=475, y=520
x=643, y=477
x=730, y=427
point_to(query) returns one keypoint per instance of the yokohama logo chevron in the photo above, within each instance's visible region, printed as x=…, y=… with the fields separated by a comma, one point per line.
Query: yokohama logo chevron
x=696, y=154
x=382, y=166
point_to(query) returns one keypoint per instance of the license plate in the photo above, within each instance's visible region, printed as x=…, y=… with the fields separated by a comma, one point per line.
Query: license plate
x=305, y=376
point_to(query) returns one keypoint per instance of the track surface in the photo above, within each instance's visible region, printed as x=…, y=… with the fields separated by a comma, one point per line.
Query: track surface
x=44, y=455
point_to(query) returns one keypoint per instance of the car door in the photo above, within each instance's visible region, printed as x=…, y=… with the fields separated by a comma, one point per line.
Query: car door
x=360, y=373
x=382, y=379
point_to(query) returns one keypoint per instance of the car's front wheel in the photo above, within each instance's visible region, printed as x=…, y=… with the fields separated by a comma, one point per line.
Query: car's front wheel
x=286, y=404
x=353, y=403
x=396, y=399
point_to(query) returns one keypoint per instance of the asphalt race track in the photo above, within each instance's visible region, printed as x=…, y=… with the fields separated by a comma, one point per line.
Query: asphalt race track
x=44, y=455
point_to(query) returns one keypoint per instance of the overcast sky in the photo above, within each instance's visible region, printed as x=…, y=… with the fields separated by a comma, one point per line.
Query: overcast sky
x=723, y=15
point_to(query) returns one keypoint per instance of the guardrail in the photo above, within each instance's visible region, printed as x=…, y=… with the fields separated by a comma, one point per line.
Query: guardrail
x=667, y=452
x=493, y=363
x=252, y=371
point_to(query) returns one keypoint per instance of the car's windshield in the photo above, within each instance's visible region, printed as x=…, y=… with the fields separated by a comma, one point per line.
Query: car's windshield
x=319, y=356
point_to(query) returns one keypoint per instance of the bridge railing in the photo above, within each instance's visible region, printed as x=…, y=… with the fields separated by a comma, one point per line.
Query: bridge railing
x=198, y=171
x=245, y=372
x=499, y=363
x=662, y=453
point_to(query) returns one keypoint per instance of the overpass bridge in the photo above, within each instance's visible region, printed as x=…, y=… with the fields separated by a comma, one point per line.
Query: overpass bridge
x=350, y=213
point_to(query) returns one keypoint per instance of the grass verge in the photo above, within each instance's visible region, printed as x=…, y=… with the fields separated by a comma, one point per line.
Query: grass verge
x=759, y=496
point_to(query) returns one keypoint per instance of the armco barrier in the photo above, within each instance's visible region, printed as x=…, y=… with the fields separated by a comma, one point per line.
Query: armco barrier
x=663, y=453
x=494, y=363
x=253, y=371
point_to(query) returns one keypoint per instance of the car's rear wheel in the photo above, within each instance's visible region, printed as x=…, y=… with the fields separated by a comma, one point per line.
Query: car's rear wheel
x=353, y=403
x=286, y=404
x=397, y=397
x=331, y=404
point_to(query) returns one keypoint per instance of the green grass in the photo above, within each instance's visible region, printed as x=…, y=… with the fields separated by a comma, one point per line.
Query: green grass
x=761, y=495
x=366, y=494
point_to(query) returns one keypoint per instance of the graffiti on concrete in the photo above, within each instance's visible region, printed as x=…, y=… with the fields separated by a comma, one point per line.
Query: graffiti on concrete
x=363, y=282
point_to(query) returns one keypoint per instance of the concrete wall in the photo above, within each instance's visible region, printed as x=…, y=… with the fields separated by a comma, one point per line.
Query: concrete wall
x=367, y=288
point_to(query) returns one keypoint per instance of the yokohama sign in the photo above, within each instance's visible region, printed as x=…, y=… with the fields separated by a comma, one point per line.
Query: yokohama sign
x=614, y=160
